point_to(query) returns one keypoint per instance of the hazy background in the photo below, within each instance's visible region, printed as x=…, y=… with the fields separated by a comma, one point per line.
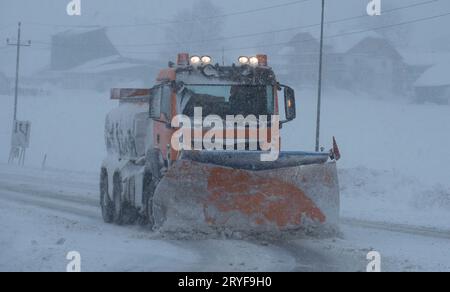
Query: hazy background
x=390, y=133
x=43, y=18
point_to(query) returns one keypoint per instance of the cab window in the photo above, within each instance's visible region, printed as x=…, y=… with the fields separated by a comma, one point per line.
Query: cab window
x=166, y=101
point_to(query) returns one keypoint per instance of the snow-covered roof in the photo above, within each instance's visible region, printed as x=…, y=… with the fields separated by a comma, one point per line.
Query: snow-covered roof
x=77, y=31
x=343, y=44
x=438, y=75
x=111, y=63
x=425, y=59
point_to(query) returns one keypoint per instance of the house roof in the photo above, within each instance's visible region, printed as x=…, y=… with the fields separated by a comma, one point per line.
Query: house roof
x=102, y=65
x=425, y=59
x=303, y=37
x=345, y=43
x=342, y=44
x=79, y=31
x=438, y=75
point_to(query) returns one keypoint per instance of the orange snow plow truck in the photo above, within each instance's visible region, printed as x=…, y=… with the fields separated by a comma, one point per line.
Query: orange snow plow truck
x=204, y=179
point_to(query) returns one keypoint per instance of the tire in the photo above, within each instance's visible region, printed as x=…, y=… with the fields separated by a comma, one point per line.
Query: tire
x=148, y=192
x=106, y=204
x=117, y=200
x=152, y=177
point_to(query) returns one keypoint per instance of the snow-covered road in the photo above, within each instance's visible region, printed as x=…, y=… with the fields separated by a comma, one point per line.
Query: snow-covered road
x=46, y=214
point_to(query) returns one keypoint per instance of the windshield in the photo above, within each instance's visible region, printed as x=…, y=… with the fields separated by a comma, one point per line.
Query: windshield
x=225, y=100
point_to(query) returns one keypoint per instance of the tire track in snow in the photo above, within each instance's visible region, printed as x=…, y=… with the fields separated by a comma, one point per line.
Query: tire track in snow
x=84, y=183
x=29, y=200
x=397, y=228
x=28, y=189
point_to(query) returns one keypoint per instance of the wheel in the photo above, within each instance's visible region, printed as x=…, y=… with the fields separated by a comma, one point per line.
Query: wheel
x=106, y=204
x=117, y=197
x=148, y=192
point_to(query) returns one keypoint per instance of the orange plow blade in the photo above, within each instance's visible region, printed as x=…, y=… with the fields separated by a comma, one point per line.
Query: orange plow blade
x=207, y=198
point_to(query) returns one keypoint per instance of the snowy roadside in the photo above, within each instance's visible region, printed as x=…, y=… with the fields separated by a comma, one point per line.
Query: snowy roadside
x=38, y=239
x=386, y=196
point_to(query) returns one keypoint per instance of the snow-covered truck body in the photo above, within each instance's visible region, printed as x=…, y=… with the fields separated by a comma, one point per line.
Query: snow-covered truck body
x=147, y=178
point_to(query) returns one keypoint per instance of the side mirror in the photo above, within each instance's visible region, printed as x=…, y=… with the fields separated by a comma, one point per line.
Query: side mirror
x=289, y=103
x=155, y=103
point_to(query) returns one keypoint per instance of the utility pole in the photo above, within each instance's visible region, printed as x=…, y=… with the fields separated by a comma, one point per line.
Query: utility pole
x=319, y=95
x=18, y=44
x=223, y=56
x=20, y=130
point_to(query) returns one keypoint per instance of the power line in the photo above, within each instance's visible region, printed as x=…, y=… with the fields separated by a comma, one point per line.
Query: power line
x=206, y=18
x=304, y=41
x=209, y=18
x=283, y=29
x=348, y=33
x=326, y=37
x=266, y=32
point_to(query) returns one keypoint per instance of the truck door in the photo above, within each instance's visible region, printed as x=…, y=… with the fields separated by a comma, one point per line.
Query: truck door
x=162, y=98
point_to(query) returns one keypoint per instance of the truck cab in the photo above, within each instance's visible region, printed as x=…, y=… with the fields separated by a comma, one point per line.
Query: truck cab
x=249, y=88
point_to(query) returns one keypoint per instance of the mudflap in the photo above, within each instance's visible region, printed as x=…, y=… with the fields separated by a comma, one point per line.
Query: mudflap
x=203, y=198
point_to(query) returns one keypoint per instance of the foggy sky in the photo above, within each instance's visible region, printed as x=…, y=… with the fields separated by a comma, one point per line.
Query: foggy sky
x=41, y=19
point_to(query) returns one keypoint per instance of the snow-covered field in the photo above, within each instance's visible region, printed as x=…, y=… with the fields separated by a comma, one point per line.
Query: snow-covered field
x=394, y=180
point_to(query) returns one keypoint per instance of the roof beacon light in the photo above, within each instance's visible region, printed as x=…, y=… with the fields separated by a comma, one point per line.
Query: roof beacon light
x=244, y=60
x=183, y=59
x=262, y=60
x=195, y=60
x=206, y=60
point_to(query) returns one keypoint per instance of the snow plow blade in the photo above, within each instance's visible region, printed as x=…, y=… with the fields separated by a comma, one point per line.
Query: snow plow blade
x=206, y=192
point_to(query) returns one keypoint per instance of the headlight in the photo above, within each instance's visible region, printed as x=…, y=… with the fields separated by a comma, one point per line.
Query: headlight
x=206, y=59
x=244, y=60
x=195, y=60
x=254, y=61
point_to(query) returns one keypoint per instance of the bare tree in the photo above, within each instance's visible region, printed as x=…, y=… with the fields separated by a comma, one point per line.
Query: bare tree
x=195, y=30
